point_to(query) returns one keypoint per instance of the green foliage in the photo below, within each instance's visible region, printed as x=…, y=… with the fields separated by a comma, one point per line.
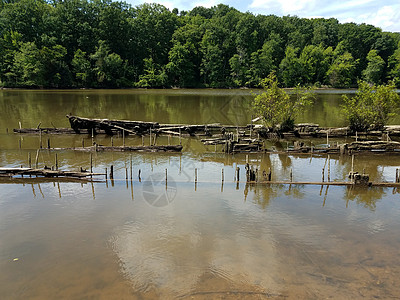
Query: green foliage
x=371, y=107
x=341, y=73
x=376, y=65
x=276, y=107
x=109, y=44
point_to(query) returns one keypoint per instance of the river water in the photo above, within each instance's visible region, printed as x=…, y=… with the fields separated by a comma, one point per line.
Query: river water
x=145, y=238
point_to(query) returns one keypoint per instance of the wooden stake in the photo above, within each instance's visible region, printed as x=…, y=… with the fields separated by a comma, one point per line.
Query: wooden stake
x=222, y=175
x=40, y=138
x=329, y=168
x=37, y=158
x=180, y=138
x=195, y=175
x=237, y=174
x=29, y=160
x=150, y=136
x=56, y=162
x=131, y=168
x=166, y=175
x=91, y=163
x=291, y=175
x=111, y=172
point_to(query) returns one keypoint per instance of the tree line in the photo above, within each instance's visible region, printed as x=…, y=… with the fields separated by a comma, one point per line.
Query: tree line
x=106, y=44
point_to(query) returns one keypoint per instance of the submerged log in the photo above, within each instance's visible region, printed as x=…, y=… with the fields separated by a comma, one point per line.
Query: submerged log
x=154, y=148
x=10, y=172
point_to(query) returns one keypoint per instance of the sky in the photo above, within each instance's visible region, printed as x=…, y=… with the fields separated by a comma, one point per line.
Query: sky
x=384, y=14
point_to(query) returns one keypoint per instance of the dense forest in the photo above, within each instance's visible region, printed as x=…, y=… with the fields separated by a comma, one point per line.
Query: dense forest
x=106, y=44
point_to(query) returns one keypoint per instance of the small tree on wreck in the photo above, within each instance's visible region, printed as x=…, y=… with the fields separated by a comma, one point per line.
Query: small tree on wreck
x=277, y=108
x=371, y=107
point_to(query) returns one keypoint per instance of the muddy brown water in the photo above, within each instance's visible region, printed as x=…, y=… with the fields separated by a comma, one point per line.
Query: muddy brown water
x=152, y=239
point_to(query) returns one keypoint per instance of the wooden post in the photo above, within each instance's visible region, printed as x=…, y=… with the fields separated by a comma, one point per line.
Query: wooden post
x=150, y=136
x=329, y=168
x=40, y=138
x=180, y=138
x=105, y=173
x=37, y=159
x=237, y=174
x=131, y=168
x=397, y=176
x=291, y=174
x=123, y=137
x=111, y=172
x=56, y=162
x=222, y=175
x=139, y=175
x=92, y=136
x=166, y=175
x=195, y=175
x=126, y=174
x=91, y=163
x=327, y=138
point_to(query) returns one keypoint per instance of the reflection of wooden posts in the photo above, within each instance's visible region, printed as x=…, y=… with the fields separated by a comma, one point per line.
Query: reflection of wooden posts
x=269, y=177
